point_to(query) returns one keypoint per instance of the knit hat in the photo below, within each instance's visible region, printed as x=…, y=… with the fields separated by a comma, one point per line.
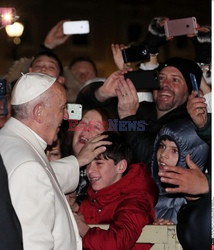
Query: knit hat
x=185, y=66
x=29, y=86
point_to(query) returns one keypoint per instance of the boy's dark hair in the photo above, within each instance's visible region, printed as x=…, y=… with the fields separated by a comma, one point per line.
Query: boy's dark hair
x=118, y=150
x=85, y=59
x=51, y=54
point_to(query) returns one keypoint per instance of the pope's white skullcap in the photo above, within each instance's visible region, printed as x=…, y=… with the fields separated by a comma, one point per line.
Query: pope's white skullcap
x=29, y=86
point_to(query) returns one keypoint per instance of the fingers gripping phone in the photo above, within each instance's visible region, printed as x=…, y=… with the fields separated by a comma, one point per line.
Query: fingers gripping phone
x=74, y=111
x=179, y=27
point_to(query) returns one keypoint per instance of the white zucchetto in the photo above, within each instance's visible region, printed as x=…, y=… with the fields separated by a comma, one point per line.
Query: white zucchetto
x=29, y=86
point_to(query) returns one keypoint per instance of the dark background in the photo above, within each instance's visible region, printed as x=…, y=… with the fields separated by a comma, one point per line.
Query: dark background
x=119, y=21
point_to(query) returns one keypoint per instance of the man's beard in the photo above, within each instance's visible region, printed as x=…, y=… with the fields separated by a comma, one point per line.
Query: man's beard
x=165, y=106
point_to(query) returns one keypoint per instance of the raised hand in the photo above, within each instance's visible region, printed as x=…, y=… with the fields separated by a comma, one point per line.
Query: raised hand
x=55, y=36
x=108, y=89
x=118, y=57
x=190, y=181
x=128, y=102
x=197, y=109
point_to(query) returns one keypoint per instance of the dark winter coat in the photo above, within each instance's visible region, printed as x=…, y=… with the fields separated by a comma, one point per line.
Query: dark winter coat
x=10, y=228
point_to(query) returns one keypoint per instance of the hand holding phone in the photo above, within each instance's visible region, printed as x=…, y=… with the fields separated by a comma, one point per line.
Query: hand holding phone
x=194, y=84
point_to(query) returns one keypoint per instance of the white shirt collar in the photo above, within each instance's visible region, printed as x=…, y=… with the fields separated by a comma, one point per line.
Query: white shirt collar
x=41, y=141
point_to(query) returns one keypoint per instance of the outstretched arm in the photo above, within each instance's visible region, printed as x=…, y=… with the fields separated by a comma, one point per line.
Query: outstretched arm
x=108, y=89
x=55, y=36
x=118, y=57
x=197, y=109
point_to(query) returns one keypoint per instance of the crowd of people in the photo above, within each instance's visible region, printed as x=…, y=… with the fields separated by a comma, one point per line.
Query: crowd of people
x=136, y=158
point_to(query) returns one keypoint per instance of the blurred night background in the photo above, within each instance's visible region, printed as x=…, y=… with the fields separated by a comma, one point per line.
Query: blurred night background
x=111, y=21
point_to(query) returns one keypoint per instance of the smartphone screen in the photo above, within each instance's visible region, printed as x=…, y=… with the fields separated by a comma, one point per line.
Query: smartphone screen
x=144, y=79
x=76, y=27
x=194, y=83
x=179, y=27
x=135, y=53
x=74, y=111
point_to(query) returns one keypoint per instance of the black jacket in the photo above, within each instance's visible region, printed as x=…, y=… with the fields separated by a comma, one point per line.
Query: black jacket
x=10, y=229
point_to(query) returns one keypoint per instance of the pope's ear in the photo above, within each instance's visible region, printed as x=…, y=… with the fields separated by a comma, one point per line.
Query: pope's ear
x=61, y=80
x=122, y=166
x=38, y=113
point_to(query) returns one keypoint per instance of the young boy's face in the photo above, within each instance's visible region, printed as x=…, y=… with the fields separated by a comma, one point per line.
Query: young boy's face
x=45, y=64
x=103, y=172
x=167, y=154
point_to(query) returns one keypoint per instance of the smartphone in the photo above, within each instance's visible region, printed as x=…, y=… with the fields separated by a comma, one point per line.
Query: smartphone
x=144, y=79
x=3, y=106
x=3, y=87
x=179, y=27
x=74, y=111
x=135, y=53
x=194, y=84
x=3, y=98
x=76, y=27
x=7, y=16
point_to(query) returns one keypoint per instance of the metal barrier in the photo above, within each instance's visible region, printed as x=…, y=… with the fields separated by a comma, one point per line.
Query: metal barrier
x=163, y=237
